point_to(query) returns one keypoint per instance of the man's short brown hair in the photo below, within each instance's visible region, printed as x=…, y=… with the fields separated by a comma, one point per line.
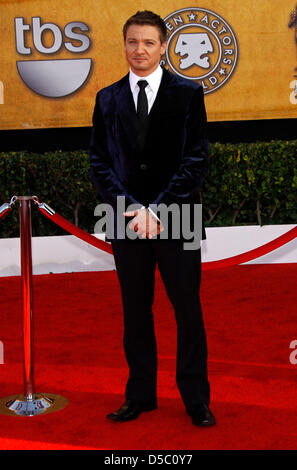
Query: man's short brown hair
x=147, y=17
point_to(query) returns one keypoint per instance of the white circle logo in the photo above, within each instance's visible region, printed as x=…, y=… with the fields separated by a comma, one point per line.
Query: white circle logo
x=201, y=47
x=53, y=78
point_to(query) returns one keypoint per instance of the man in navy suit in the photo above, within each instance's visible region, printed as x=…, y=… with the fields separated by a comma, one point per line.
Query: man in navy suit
x=149, y=145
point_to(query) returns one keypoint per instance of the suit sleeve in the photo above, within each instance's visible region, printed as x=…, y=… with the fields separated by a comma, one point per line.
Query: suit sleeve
x=102, y=171
x=189, y=178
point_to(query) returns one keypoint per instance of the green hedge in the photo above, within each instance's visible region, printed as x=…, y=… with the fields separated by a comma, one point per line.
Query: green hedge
x=252, y=184
x=247, y=184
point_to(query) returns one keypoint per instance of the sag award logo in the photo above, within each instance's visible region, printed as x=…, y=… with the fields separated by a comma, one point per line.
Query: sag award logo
x=293, y=24
x=201, y=47
x=52, y=78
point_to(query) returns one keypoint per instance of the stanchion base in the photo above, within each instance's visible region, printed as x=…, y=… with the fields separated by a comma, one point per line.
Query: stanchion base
x=43, y=403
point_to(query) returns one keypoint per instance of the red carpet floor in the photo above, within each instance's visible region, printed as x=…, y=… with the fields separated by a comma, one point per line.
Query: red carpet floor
x=250, y=318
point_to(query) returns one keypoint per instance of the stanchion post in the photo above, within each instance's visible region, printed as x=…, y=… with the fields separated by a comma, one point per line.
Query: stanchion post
x=30, y=403
x=27, y=294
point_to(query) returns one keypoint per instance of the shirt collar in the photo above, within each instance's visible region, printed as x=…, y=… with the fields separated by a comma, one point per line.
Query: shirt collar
x=154, y=79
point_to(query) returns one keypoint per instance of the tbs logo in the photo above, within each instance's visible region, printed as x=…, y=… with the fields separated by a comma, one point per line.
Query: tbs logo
x=52, y=78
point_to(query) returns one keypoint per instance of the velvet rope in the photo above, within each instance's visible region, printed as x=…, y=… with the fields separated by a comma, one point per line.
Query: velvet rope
x=4, y=210
x=232, y=261
x=252, y=254
x=71, y=228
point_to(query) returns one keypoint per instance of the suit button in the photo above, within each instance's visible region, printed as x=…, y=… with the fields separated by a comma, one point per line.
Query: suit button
x=143, y=166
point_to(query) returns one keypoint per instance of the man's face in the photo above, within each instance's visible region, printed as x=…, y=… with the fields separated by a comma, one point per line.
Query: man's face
x=143, y=48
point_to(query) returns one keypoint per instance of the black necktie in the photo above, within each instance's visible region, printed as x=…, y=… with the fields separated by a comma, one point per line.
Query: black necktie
x=142, y=104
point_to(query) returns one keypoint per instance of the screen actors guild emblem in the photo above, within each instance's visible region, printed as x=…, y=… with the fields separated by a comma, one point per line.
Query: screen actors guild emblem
x=293, y=23
x=194, y=49
x=201, y=47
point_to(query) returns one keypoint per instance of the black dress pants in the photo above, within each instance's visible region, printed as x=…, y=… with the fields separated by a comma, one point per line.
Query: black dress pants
x=181, y=272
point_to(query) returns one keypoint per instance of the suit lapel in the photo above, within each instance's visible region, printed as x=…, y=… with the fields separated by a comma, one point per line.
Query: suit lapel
x=126, y=112
x=162, y=108
x=125, y=108
x=163, y=103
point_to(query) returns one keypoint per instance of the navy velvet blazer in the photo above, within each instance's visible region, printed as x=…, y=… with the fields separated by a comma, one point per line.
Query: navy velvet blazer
x=173, y=163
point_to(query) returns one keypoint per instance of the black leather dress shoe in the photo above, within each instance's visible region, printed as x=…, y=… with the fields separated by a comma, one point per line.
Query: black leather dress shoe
x=202, y=416
x=131, y=409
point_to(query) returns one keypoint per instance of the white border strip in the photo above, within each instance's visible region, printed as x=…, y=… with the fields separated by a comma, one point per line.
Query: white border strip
x=67, y=253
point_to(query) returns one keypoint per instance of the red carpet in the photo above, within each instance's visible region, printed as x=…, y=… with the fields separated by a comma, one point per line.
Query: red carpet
x=250, y=318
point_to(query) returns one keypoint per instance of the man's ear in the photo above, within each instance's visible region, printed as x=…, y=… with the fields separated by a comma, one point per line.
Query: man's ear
x=163, y=47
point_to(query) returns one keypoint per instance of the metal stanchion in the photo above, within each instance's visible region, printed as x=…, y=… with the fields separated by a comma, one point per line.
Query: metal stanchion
x=30, y=403
x=7, y=207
